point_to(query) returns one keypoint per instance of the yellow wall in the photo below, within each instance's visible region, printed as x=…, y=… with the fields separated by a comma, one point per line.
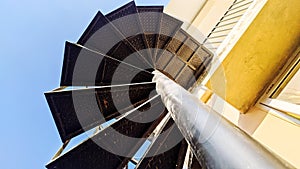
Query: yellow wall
x=249, y=68
x=257, y=57
x=263, y=124
x=281, y=137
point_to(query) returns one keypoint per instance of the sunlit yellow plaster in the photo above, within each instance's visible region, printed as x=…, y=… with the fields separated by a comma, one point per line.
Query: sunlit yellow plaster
x=259, y=54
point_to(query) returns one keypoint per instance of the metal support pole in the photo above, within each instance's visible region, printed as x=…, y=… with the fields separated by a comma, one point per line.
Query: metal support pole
x=216, y=142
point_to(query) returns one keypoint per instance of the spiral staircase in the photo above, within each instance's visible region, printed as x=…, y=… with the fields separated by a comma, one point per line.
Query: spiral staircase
x=124, y=46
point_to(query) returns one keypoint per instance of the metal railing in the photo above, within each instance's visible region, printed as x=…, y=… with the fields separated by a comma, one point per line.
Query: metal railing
x=226, y=23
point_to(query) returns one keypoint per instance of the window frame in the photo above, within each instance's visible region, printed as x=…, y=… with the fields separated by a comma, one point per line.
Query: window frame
x=283, y=109
x=234, y=36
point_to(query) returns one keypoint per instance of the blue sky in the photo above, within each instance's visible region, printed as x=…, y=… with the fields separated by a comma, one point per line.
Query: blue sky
x=32, y=40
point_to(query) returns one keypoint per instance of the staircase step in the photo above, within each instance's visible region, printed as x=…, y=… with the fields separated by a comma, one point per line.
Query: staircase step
x=90, y=155
x=190, y=58
x=96, y=69
x=170, y=159
x=150, y=18
x=126, y=20
x=169, y=27
x=93, y=106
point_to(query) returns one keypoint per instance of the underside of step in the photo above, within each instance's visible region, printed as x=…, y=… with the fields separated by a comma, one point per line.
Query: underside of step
x=107, y=75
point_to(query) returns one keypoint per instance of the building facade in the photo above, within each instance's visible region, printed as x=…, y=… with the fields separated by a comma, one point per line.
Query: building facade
x=254, y=77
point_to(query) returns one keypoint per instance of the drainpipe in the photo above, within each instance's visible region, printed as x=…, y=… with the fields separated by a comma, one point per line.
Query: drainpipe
x=216, y=142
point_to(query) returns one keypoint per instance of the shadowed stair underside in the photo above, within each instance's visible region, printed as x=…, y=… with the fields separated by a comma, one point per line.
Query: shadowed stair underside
x=107, y=75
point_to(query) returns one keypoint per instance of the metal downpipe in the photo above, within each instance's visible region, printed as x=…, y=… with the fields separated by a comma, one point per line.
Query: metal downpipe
x=216, y=142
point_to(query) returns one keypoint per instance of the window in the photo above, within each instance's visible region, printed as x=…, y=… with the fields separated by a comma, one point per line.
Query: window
x=284, y=94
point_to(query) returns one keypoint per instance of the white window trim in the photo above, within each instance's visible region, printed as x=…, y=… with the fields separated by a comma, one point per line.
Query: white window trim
x=279, y=114
x=233, y=37
x=282, y=106
x=279, y=108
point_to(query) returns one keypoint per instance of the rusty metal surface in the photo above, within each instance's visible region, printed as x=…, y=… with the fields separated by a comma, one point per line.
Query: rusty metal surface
x=174, y=66
x=171, y=159
x=185, y=59
x=186, y=77
x=150, y=18
x=187, y=49
x=202, y=70
x=195, y=164
x=117, y=53
x=100, y=35
x=105, y=69
x=177, y=41
x=162, y=62
x=191, y=52
x=103, y=36
x=169, y=27
x=128, y=26
x=98, y=22
x=123, y=51
x=89, y=155
x=110, y=103
x=126, y=20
